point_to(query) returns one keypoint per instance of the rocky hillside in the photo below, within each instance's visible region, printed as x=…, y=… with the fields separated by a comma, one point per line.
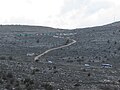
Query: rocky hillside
x=91, y=63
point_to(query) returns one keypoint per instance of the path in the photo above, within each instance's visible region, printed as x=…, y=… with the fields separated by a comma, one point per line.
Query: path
x=37, y=57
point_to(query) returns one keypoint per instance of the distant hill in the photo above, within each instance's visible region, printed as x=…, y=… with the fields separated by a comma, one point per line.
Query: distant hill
x=117, y=24
x=27, y=28
x=110, y=25
x=44, y=29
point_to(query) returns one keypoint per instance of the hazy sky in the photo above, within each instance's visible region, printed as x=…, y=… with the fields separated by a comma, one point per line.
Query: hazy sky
x=59, y=13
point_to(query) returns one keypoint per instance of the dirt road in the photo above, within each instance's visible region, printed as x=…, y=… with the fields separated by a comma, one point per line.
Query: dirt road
x=37, y=57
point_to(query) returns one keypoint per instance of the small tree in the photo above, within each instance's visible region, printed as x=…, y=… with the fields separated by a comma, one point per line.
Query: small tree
x=38, y=41
x=67, y=41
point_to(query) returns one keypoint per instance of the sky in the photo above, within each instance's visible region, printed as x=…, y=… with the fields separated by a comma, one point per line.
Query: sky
x=65, y=14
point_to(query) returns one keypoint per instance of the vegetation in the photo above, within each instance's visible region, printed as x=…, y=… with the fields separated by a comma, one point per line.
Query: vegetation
x=77, y=67
x=47, y=86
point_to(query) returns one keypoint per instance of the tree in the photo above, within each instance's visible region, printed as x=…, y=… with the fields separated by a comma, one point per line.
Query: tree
x=38, y=41
x=67, y=41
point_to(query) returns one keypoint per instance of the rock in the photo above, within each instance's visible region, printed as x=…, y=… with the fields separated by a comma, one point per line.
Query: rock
x=87, y=65
x=76, y=84
x=49, y=61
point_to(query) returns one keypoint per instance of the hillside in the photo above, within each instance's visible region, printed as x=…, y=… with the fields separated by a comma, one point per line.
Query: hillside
x=79, y=59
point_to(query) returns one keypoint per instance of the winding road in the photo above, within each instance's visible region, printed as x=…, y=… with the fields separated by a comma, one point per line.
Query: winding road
x=37, y=57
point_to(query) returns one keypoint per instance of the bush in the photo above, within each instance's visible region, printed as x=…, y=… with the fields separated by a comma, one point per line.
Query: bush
x=108, y=88
x=47, y=86
x=28, y=81
x=38, y=41
x=9, y=75
x=89, y=74
x=119, y=48
x=108, y=41
x=10, y=58
x=115, y=42
x=2, y=57
x=67, y=41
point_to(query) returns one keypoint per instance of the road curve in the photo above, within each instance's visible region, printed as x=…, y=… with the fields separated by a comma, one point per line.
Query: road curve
x=37, y=57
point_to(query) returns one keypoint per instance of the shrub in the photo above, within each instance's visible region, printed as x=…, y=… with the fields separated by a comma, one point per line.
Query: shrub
x=67, y=41
x=108, y=87
x=38, y=41
x=108, y=41
x=115, y=42
x=89, y=74
x=28, y=80
x=77, y=84
x=119, y=48
x=10, y=58
x=9, y=75
x=2, y=57
x=47, y=86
